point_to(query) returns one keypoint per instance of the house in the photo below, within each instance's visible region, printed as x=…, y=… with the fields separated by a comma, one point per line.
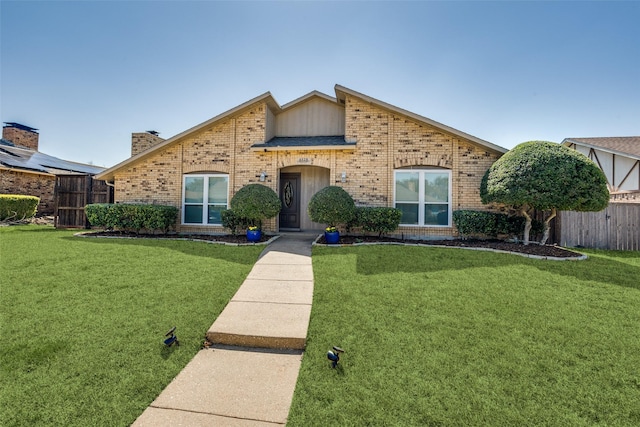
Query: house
x=619, y=159
x=380, y=154
x=617, y=226
x=26, y=171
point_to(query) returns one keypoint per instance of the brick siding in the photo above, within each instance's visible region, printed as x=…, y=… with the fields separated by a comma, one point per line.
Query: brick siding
x=30, y=184
x=385, y=141
x=21, y=137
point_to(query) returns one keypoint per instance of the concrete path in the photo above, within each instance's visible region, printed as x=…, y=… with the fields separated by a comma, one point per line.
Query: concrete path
x=248, y=376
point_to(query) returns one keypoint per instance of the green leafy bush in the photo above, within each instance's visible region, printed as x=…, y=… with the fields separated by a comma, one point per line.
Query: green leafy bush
x=236, y=224
x=17, y=207
x=478, y=223
x=332, y=206
x=379, y=220
x=256, y=203
x=545, y=177
x=132, y=217
x=471, y=223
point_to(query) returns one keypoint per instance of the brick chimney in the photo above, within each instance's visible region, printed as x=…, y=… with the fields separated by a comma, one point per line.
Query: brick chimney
x=141, y=141
x=21, y=135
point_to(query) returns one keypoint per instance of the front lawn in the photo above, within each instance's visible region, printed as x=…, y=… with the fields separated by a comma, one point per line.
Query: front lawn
x=450, y=337
x=83, y=320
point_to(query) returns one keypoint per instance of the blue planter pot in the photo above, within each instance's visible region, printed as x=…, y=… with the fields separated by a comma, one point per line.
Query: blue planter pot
x=332, y=237
x=254, y=235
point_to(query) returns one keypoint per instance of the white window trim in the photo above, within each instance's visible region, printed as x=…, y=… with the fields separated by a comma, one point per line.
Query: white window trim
x=205, y=197
x=421, y=201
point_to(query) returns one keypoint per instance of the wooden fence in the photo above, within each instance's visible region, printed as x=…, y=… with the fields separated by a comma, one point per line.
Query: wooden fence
x=617, y=227
x=72, y=193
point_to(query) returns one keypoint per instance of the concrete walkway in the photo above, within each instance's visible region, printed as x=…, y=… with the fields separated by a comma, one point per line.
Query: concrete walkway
x=248, y=376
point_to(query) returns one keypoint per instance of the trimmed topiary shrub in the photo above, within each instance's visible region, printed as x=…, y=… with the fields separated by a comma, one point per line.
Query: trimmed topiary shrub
x=15, y=207
x=545, y=177
x=332, y=206
x=132, y=217
x=379, y=220
x=256, y=203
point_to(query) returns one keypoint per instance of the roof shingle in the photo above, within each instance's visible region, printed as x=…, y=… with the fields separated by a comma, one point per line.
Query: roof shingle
x=622, y=144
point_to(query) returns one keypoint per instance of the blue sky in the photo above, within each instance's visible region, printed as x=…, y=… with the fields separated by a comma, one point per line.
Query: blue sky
x=89, y=73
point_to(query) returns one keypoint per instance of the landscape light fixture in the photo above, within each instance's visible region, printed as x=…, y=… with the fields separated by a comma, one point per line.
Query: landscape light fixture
x=171, y=338
x=343, y=177
x=334, y=356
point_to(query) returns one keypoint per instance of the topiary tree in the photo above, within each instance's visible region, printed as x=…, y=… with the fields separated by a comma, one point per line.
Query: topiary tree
x=332, y=206
x=545, y=176
x=256, y=202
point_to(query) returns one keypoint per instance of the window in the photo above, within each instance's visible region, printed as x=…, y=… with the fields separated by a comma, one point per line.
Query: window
x=424, y=197
x=205, y=197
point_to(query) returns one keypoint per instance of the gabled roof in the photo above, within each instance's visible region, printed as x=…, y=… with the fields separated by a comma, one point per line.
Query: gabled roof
x=272, y=104
x=26, y=160
x=625, y=145
x=341, y=91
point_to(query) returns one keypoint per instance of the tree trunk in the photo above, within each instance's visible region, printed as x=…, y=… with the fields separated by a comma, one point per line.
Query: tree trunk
x=545, y=236
x=527, y=225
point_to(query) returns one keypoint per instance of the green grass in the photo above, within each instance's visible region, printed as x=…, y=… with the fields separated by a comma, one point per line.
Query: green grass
x=449, y=337
x=83, y=320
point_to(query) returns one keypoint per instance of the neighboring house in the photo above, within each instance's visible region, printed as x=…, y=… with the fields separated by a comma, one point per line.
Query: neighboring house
x=616, y=227
x=24, y=170
x=619, y=159
x=380, y=154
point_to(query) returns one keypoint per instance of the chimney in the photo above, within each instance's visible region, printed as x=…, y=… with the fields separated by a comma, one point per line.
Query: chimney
x=21, y=135
x=142, y=141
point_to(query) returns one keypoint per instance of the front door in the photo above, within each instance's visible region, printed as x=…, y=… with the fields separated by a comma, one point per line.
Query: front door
x=290, y=198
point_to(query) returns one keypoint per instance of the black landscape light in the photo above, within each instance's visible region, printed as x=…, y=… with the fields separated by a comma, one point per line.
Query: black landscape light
x=334, y=356
x=171, y=338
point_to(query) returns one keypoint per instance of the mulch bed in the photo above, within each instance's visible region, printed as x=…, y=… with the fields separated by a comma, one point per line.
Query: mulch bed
x=531, y=249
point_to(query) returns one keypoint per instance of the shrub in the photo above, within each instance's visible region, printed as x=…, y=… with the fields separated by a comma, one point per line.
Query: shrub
x=378, y=219
x=545, y=177
x=101, y=215
x=234, y=222
x=492, y=224
x=256, y=203
x=332, y=206
x=17, y=207
x=477, y=223
x=132, y=217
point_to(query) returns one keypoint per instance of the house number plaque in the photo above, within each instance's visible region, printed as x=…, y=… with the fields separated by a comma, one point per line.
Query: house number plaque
x=304, y=160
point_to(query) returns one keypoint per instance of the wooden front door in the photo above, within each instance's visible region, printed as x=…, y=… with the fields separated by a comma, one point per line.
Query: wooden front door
x=290, y=198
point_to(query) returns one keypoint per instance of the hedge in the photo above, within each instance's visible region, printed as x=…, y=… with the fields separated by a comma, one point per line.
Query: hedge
x=132, y=217
x=491, y=224
x=379, y=220
x=14, y=207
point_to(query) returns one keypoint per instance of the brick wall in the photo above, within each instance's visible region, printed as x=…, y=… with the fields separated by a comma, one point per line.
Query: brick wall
x=30, y=184
x=385, y=141
x=21, y=137
x=141, y=141
x=388, y=141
